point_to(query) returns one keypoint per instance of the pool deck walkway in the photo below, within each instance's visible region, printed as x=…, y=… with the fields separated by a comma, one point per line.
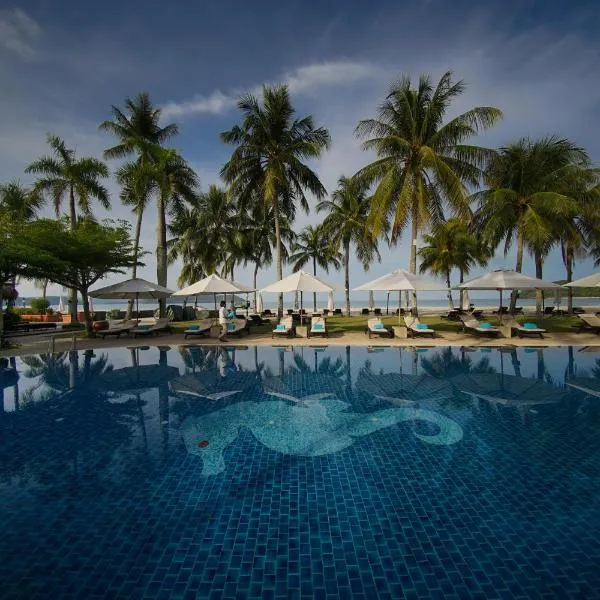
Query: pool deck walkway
x=40, y=344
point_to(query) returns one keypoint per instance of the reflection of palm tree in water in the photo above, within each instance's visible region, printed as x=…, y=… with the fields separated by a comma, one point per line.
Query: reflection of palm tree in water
x=446, y=364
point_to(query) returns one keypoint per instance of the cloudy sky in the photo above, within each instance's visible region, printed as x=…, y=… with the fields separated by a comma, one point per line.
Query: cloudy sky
x=63, y=64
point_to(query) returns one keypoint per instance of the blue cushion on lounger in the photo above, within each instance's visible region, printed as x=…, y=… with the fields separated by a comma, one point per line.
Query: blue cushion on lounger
x=230, y=326
x=485, y=325
x=193, y=327
x=378, y=326
x=318, y=326
x=280, y=327
x=529, y=326
x=422, y=326
x=144, y=327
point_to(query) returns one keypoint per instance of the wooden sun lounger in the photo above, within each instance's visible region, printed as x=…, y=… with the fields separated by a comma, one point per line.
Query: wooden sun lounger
x=521, y=331
x=318, y=326
x=411, y=325
x=288, y=322
x=471, y=325
x=371, y=329
x=118, y=328
x=201, y=329
x=590, y=323
x=160, y=325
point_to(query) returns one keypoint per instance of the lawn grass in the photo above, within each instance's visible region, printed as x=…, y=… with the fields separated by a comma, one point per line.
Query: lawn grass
x=554, y=324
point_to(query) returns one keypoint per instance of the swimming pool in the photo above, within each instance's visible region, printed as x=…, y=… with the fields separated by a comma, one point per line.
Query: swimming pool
x=282, y=472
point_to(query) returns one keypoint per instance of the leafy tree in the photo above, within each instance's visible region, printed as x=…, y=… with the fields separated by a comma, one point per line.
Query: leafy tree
x=451, y=245
x=423, y=164
x=526, y=198
x=312, y=245
x=64, y=176
x=77, y=257
x=270, y=145
x=138, y=130
x=346, y=224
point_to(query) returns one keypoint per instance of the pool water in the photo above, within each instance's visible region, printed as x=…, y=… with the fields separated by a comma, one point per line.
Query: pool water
x=306, y=472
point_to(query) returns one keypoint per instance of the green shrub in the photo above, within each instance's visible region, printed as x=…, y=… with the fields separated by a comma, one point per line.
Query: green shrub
x=11, y=318
x=39, y=305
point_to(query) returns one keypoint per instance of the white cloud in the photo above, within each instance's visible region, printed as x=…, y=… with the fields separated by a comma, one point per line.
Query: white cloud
x=302, y=80
x=18, y=32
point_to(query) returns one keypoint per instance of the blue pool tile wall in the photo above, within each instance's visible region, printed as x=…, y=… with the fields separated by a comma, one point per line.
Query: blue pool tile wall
x=301, y=473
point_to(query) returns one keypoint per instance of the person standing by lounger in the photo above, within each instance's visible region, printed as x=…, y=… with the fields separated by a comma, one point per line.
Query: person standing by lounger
x=223, y=321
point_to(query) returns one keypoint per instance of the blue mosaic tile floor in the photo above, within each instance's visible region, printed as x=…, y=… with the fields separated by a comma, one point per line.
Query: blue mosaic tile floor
x=274, y=473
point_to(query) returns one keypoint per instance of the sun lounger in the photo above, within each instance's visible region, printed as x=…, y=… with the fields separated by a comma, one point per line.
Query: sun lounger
x=285, y=327
x=415, y=327
x=337, y=312
x=237, y=327
x=377, y=312
x=149, y=330
x=376, y=327
x=318, y=326
x=472, y=325
x=590, y=323
x=365, y=312
x=198, y=329
x=525, y=329
x=117, y=328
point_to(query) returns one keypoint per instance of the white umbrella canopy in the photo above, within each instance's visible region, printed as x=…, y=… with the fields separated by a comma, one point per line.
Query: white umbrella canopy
x=259, y=304
x=330, y=303
x=401, y=280
x=301, y=281
x=506, y=279
x=589, y=281
x=132, y=288
x=213, y=284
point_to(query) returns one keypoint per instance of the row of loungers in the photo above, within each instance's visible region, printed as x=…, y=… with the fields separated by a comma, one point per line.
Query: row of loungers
x=131, y=327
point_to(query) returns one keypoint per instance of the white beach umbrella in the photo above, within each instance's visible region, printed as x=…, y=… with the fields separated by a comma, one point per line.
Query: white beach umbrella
x=371, y=300
x=465, y=301
x=61, y=305
x=213, y=284
x=330, y=303
x=401, y=280
x=301, y=281
x=259, y=304
x=506, y=279
x=132, y=289
x=589, y=281
x=90, y=303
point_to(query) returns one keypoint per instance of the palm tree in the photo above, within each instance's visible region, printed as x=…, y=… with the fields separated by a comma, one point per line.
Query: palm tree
x=270, y=145
x=21, y=203
x=346, y=224
x=138, y=129
x=312, y=245
x=422, y=163
x=451, y=245
x=526, y=199
x=63, y=175
x=176, y=183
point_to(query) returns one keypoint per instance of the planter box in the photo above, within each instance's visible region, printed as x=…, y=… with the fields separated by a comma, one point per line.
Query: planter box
x=302, y=331
x=42, y=318
x=400, y=331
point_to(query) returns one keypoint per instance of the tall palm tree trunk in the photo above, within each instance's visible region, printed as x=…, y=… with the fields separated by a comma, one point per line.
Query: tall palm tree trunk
x=314, y=293
x=450, y=299
x=136, y=249
x=161, y=251
x=73, y=217
x=569, y=267
x=255, y=275
x=347, y=274
x=462, y=293
x=518, y=267
x=278, y=257
x=413, y=248
x=539, y=271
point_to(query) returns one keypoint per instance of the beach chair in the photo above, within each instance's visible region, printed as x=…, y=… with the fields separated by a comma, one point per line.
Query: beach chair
x=285, y=327
x=198, y=329
x=326, y=311
x=376, y=327
x=150, y=330
x=377, y=312
x=589, y=323
x=416, y=328
x=525, y=329
x=472, y=325
x=117, y=328
x=318, y=326
x=365, y=312
x=237, y=327
x=337, y=312
x=548, y=310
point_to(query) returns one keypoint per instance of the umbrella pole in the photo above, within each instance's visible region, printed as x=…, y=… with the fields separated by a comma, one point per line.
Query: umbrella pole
x=399, y=306
x=500, y=311
x=215, y=298
x=301, y=313
x=137, y=307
